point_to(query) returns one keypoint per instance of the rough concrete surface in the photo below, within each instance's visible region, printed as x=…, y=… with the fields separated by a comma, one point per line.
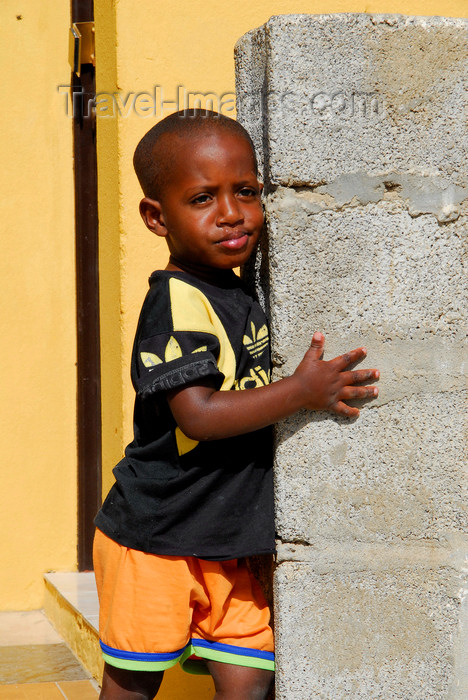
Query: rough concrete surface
x=395, y=475
x=366, y=275
x=370, y=634
x=384, y=92
x=360, y=124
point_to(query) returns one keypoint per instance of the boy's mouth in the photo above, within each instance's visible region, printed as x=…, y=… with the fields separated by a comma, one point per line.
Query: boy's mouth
x=234, y=241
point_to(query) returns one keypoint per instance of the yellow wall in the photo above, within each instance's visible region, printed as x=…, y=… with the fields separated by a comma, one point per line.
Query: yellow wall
x=37, y=304
x=168, y=44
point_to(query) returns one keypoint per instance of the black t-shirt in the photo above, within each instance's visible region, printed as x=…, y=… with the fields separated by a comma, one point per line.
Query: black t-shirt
x=174, y=495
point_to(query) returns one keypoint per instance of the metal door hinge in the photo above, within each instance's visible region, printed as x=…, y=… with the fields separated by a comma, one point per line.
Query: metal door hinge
x=81, y=47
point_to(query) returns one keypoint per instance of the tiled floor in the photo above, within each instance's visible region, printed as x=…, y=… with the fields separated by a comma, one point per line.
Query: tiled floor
x=35, y=664
x=68, y=690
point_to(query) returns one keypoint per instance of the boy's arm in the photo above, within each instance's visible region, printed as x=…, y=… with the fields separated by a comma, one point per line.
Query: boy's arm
x=203, y=413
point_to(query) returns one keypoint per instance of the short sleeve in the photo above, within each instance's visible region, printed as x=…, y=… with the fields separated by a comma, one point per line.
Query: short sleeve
x=176, y=342
x=170, y=360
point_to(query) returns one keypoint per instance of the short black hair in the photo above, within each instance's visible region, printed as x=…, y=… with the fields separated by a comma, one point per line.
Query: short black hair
x=152, y=156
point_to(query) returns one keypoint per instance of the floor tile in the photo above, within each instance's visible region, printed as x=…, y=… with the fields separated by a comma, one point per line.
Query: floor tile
x=31, y=691
x=26, y=628
x=78, y=690
x=39, y=662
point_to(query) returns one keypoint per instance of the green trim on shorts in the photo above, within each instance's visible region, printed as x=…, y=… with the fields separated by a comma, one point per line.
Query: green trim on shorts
x=196, y=667
x=133, y=665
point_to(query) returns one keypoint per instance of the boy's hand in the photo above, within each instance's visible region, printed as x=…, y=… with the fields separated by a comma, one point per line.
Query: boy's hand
x=328, y=384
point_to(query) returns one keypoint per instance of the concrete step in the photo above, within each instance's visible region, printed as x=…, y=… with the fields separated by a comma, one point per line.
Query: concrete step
x=71, y=604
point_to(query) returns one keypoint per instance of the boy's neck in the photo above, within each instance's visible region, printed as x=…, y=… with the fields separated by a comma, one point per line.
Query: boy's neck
x=206, y=274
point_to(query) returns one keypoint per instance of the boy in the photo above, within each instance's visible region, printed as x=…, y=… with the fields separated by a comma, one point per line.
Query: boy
x=193, y=495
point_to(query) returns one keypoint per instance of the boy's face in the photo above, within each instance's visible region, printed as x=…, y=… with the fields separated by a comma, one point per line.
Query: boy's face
x=209, y=209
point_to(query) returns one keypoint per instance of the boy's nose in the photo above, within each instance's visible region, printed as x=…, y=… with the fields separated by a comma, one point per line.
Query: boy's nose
x=229, y=211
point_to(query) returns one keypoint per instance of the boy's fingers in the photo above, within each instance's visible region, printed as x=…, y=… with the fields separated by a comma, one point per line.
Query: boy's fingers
x=316, y=345
x=349, y=358
x=359, y=375
x=343, y=409
x=359, y=392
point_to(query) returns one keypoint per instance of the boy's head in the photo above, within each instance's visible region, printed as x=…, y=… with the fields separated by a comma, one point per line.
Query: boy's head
x=153, y=155
x=199, y=173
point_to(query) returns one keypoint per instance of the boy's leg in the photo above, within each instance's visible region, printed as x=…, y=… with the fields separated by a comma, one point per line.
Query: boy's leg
x=120, y=684
x=235, y=639
x=240, y=682
x=136, y=591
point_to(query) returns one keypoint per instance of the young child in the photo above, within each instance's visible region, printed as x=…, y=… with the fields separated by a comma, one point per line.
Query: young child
x=193, y=495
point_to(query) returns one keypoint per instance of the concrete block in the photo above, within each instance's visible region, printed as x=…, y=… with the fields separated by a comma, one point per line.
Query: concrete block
x=375, y=631
x=368, y=274
x=398, y=474
x=357, y=93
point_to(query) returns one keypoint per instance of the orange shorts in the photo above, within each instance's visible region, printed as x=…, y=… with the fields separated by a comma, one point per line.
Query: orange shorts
x=156, y=611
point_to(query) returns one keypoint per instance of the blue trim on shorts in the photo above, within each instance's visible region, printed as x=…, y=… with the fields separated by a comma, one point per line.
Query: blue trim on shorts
x=231, y=649
x=141, y=656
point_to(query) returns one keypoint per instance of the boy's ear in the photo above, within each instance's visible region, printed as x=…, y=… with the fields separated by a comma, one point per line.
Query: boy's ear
x=151, y=213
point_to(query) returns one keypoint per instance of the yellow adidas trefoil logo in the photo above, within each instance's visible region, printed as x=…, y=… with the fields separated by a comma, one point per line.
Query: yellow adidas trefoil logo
x=172, y=352
x=257, y=344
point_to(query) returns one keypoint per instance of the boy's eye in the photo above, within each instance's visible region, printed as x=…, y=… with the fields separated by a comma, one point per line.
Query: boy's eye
x=248, y=192
x=201, y=199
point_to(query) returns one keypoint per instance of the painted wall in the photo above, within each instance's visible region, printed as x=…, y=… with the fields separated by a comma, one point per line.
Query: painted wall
x=37, y=304
x=165, y=50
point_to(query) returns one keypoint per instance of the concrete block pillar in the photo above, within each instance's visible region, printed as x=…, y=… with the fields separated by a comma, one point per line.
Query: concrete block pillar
x=361, y=126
